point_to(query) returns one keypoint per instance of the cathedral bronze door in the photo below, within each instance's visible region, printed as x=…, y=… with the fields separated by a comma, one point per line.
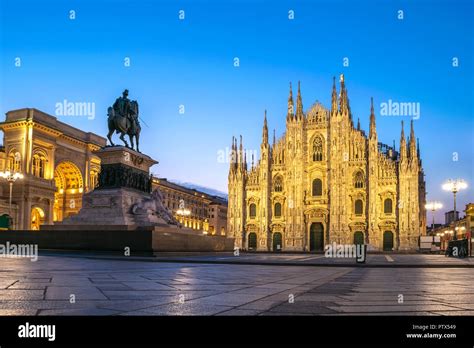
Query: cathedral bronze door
x=277, y=241
x=359, y=238
x=387, y=241
x=252, y=241
x=316, y=237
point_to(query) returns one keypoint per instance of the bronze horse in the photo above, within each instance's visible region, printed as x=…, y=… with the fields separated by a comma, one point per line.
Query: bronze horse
x=124, y=125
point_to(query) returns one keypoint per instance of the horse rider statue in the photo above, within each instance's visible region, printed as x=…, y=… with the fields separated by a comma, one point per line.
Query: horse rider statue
x=123, y=119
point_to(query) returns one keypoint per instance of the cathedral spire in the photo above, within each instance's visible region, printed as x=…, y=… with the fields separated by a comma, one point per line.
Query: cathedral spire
x=334, y=96
x=413, y=152
x=274, y=138
x=358, y=124
x=232, y=158
x=236, y=151
x=265, y=129
x=403, y=145
x=372, y=131
x=343, y=96
x=291, y=107
x=241, y=153
x=245, y=161
x=299, y=104
x=418, y=147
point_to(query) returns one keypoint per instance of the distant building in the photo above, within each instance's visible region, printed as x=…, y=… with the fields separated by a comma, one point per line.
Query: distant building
x=194, y=209
x=449, y=217
x=218, y=217
x=431, y=228
x=460, y=227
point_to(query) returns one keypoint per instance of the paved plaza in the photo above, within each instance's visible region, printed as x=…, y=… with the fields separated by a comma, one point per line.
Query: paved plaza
x=78, y=284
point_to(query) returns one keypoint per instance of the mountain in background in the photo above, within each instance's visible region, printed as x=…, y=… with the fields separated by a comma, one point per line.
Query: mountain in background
x=208, y=190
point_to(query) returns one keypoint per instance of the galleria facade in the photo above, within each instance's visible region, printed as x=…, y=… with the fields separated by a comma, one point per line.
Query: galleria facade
x=326, y=181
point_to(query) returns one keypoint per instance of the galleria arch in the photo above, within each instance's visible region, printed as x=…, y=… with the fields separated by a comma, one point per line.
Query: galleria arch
x=69, y=189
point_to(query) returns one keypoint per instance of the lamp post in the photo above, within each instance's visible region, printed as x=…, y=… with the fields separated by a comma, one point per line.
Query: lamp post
x=11, y=178
x=433, y=206
x=455, y=185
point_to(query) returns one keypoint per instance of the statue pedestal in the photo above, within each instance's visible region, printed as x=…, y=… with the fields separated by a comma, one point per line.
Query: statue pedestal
x=121, y=167
x=124, y=182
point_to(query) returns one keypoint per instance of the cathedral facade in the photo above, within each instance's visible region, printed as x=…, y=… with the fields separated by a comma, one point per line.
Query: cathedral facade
x=326, y=181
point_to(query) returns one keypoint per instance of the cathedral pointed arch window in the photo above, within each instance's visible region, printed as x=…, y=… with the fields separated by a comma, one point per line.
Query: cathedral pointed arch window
x=317, y=189
x=253, y=210
x=278, y=185
x=359, y=180
x=317, y=150
x=358, y=207
x=388, y=206
x=277, y=210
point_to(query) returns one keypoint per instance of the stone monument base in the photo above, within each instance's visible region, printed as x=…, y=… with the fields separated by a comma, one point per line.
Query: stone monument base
x=112, y=209
x=118, y=240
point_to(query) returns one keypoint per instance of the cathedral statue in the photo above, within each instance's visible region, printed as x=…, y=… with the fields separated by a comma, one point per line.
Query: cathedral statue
x=123, y=119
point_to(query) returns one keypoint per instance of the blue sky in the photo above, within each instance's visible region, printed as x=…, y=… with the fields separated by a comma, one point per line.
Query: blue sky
x=190, y=62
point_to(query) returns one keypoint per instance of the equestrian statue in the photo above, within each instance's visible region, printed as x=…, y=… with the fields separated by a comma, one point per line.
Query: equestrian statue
x=123, y=119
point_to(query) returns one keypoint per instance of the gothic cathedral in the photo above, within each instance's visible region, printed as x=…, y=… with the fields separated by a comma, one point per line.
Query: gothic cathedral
x=325, y=181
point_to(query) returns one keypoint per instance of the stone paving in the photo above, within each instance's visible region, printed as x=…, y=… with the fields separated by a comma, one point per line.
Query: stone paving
x=375, y=260
x=63, y=285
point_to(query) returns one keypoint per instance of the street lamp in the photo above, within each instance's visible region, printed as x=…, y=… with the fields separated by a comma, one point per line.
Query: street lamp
x=11, y=178
x=455, y=186
x=433, y=206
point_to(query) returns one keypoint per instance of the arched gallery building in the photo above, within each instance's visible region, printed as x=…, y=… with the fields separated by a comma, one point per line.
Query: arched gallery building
x=57, y=162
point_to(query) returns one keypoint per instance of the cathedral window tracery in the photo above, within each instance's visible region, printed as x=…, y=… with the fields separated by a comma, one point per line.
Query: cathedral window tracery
x=359, y=180
x=317, y=149
x=278, y=186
